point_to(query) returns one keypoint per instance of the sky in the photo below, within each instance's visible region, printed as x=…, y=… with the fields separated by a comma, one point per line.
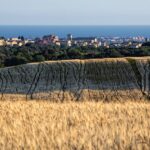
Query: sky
x=74, y=12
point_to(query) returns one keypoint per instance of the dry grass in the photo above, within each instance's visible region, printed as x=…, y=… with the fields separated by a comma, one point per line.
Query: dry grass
x=74, y=126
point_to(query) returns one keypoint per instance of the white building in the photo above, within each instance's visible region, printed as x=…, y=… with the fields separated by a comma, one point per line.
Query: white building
x=2, y=42
x=69, y=43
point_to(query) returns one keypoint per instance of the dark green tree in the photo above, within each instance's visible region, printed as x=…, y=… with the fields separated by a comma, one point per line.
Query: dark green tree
x=14, y=61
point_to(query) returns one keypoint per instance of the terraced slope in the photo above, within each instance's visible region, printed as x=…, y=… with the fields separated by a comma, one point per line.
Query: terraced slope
x=76, y=80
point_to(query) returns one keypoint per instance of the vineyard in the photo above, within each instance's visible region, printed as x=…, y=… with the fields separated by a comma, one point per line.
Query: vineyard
x=78, y=80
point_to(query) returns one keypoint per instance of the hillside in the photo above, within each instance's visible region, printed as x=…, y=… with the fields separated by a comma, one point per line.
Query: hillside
x=78, y=80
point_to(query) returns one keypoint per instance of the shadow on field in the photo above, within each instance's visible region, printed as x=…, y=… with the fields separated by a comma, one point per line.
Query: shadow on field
x=74, y=80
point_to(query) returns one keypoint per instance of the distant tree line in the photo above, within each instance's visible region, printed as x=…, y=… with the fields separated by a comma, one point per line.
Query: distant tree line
x=11, y=56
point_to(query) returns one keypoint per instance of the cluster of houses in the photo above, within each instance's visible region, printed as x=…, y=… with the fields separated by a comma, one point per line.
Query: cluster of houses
x=15, y=41
x=135, y=42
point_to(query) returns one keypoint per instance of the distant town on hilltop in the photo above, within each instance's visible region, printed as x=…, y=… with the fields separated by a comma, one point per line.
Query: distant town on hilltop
x=70, y=41
x=21, y=50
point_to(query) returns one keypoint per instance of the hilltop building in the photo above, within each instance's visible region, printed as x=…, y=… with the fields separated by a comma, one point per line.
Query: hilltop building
x=69, y=37
x=48, y=39
x=2, y=42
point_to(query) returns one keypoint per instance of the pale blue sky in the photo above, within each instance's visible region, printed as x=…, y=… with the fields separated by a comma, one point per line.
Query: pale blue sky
x=74, y=12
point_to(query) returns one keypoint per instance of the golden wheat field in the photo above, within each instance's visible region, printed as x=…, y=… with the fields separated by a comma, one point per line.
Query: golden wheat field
x=98, y=104
x=74, y=126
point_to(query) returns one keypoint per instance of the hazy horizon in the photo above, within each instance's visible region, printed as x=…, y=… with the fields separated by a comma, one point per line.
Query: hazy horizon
x=71, y=12
x=72, y=25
